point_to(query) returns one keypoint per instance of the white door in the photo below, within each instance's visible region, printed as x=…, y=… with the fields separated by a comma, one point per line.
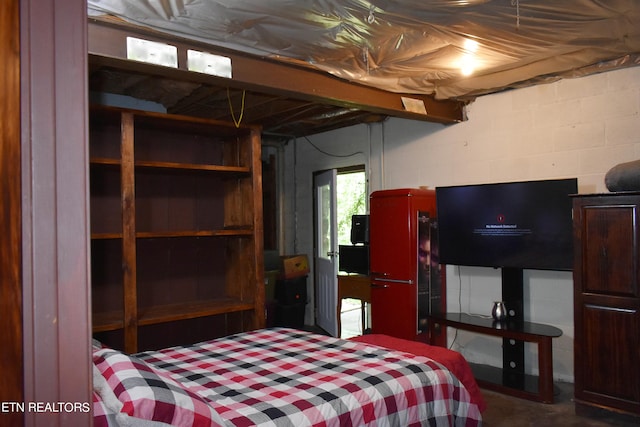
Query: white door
x=326, y=281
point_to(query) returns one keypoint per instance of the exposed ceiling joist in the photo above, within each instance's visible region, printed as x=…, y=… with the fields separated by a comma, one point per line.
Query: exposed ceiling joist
x=292, y=99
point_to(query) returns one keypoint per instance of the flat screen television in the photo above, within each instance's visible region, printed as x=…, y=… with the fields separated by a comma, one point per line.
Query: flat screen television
x=525, y=225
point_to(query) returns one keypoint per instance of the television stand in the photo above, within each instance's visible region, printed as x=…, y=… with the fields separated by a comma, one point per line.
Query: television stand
x=507, y=380
x=514, y=331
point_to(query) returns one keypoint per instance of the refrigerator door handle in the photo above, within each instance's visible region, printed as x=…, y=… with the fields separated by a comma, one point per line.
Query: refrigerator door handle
x=408, y=282
x=375, y=273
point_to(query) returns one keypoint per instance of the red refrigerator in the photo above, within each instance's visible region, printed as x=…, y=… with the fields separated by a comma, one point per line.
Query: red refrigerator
x=406, y=279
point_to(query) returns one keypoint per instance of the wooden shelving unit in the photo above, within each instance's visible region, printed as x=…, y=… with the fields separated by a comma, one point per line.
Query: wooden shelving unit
x=176, y=228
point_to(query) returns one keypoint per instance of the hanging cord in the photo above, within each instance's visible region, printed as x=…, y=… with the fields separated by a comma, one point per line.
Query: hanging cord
x=516, y=3
x=233, y=116
x=332, y=155
x=455, y=335
x=372, y=16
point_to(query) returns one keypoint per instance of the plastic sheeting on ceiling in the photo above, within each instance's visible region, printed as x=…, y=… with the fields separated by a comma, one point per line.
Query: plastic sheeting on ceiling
x=411, y=46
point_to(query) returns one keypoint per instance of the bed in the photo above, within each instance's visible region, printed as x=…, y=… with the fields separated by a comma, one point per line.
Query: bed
x=286, y=377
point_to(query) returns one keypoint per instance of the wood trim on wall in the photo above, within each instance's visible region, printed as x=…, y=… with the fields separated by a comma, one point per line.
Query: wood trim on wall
x=10, y=286
x=55, y=230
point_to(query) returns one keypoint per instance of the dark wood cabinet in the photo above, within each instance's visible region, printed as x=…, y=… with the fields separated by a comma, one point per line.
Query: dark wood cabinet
x=176, y=228
x=607, y=302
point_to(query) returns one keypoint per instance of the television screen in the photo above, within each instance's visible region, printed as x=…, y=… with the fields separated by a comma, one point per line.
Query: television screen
x=516, y=224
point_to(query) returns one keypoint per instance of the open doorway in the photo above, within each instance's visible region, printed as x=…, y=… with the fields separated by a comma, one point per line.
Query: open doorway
x=351, y=192
x=339, y=194
x=352, y=200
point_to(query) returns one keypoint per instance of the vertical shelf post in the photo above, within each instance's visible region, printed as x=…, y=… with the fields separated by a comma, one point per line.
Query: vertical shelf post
x=130, y=302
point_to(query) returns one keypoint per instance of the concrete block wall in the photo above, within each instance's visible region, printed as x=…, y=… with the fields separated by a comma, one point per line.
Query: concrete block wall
x=571, y=128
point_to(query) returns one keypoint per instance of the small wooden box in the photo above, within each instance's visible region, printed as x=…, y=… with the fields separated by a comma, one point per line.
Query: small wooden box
x=294, y=266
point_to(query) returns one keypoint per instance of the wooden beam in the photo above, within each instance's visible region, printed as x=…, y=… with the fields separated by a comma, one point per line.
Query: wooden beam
x=108, y=46
x=55, y=215
x=11, y=333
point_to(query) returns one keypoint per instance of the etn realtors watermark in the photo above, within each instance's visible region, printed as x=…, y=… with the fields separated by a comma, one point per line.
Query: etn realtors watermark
x=44, y=407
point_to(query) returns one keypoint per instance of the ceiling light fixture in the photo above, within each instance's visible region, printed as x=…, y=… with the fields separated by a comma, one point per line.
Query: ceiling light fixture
x=468, y=61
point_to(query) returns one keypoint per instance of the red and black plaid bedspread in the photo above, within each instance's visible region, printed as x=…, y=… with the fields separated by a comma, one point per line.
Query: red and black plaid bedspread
x=284, y=377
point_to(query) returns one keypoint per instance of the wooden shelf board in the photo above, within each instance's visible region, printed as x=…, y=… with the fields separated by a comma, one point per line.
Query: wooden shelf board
x=113, y=320
x=107, y=161
x=106, y=236
x=192, y=233
x=525, y=331
x=192, y=166
x=191, y=310
x=174, y=165
x=108, y=321
x=227, y=232
x=182, y=123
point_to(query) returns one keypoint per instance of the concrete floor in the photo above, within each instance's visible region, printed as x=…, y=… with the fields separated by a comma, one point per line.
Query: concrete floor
x=507, y=411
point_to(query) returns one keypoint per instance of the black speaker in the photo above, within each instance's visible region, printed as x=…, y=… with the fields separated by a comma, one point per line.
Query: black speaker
x=291, y=297
x=291, y=291
x=359, y=229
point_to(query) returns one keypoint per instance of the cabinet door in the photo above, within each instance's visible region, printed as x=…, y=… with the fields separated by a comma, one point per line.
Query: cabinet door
x=608, y=359
x=393, y=248
x=394, y=309
x=607, y=322
x=610, y=253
